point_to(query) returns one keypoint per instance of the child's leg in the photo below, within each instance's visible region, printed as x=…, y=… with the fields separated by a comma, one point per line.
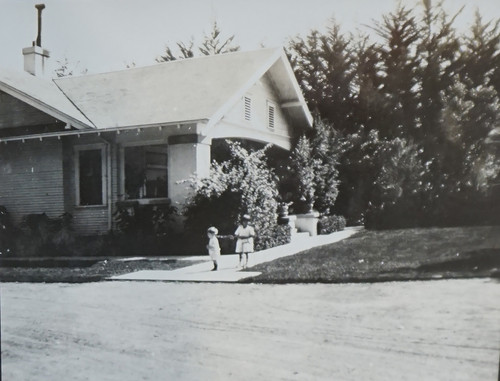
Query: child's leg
x=215, y=266
x=246, y=260
x=241, y=259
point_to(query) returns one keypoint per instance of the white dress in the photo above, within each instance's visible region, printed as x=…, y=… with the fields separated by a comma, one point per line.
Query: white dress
x=244, y=245
x=213, y=248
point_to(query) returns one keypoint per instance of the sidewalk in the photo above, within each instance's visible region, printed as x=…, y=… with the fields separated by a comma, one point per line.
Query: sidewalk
x=227, y=266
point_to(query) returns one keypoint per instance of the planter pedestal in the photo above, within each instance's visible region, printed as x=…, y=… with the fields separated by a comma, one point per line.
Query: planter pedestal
x=307, y=222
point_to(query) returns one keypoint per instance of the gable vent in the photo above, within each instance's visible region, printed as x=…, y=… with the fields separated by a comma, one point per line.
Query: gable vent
x=270, y=109
x=248, y=108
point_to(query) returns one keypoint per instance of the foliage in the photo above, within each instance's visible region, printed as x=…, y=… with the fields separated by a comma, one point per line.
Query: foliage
x=310, y=181
x=41, y=235
x=330, y=224
x=242, y=185
x=326, y=154
x=134, y=219
x=408, y=113
x=302, y=165
x=324, y=68
x=277, y=235
x=211, y=45
x=7, y=233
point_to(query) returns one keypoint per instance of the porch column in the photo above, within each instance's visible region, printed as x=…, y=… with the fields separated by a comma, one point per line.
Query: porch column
x=187, y=156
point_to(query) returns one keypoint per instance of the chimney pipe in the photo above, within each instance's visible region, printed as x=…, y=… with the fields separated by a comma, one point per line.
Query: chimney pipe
x=39, y=7
x=35, y=56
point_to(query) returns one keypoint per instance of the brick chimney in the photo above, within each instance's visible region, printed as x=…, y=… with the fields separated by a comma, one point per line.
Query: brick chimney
x=35, y=56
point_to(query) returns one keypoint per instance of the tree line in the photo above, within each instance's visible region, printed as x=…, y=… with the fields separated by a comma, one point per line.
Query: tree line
x=408, y=115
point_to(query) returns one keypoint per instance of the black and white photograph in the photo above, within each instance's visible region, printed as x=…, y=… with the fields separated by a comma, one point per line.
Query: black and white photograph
x=250, y=190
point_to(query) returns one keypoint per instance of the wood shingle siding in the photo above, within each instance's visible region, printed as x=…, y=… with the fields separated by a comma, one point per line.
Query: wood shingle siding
x=31, y=178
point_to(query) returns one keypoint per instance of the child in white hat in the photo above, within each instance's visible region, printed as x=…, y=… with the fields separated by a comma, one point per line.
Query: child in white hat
x=213, y=246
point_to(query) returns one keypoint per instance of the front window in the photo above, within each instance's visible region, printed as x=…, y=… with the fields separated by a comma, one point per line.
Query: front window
x=145, y=172
x=90, y=177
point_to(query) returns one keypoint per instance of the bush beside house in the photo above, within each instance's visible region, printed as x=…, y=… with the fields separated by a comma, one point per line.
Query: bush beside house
x=331, y=224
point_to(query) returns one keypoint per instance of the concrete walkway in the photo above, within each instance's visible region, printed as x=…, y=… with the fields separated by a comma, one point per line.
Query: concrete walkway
x=228, y=270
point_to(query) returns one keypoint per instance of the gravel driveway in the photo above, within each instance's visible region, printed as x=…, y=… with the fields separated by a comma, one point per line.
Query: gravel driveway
x=438, y=330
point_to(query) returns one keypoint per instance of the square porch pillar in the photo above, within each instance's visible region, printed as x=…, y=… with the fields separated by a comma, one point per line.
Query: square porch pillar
x=187, y=156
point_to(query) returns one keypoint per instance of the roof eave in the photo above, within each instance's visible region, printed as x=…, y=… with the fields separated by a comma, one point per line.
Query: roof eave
x=298, y=91
x=98, y=131
x=46, y=108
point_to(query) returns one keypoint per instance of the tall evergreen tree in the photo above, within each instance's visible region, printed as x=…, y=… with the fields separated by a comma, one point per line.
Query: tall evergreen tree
x=324, y=66
x=481, y=55
x=399, y=59
x=371, y=111
x=438, y=50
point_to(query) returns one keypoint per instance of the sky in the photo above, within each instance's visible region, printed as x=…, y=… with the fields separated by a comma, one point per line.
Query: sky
x=107, y=35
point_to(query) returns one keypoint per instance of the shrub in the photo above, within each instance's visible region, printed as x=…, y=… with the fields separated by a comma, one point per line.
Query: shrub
x=311, y=179
x=142, y=229
x=133, y=218
x=278, y=235
x=40, y=235
x=330, y=224
x=7, y=233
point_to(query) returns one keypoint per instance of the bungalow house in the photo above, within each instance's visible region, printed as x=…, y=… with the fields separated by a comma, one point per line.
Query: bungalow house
x=81, y=144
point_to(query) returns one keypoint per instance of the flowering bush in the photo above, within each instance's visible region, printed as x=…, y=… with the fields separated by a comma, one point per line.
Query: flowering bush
x=244, y=184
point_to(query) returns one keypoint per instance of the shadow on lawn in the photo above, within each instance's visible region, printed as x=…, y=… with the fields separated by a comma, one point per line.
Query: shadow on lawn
x=484, y=263
x=70, y=270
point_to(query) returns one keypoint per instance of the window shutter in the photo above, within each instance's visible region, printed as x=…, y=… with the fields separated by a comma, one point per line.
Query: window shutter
x=270, y=109
x=248, y=108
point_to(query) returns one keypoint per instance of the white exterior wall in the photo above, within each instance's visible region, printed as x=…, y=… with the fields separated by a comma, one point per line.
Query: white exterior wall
x=261, y=93
x=233, y=124
x=184, y=161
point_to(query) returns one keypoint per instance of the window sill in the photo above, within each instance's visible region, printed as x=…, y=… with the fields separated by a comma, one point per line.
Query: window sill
x=144, y=201
x=91, y=206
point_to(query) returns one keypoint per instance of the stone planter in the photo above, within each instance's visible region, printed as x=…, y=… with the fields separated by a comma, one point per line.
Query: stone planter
x=307, y=222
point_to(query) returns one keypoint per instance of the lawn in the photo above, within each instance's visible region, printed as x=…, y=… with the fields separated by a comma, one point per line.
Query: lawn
x=71, y=270
x=368, y=256
x=406, y=254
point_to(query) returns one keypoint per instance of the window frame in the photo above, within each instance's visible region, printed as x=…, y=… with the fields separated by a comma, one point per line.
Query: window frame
x=90, y=147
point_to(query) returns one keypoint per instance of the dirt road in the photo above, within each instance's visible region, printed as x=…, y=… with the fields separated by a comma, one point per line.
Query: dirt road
x=441, y=330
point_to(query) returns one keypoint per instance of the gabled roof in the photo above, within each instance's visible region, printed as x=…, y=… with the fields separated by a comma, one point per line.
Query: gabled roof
x=43, y=95
x=181, y=91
